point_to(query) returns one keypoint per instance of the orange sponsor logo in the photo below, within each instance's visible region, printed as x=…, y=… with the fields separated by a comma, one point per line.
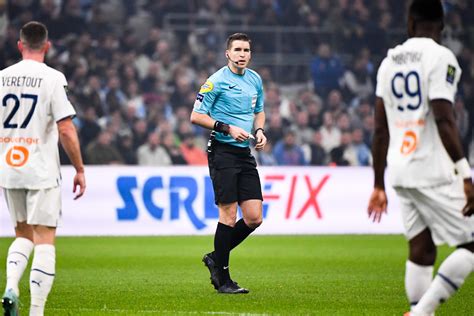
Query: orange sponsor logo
x=17, y=156
x=409, y=143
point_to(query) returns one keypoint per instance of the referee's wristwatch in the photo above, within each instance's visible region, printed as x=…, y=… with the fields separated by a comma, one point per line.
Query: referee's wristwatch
x=259, y=129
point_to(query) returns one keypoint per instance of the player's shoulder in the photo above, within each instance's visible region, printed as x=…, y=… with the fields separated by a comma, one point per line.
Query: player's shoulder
x=218, y=76
x=212, y=83
x=253, y=74
x=54, y=73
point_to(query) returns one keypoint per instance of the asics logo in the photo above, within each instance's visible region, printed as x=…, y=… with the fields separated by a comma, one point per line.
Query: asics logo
x=36, y=282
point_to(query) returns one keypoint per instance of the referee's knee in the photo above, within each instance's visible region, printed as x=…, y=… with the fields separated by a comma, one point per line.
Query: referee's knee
x=254, y=222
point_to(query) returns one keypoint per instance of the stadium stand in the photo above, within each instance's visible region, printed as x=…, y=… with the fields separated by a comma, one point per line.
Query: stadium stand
x=134, y=68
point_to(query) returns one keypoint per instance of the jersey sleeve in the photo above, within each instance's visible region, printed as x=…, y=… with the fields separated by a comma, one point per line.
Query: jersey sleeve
x=60, y=105
x=206, y=97
x=381, y=74
x=260, y=97
x=444, y=77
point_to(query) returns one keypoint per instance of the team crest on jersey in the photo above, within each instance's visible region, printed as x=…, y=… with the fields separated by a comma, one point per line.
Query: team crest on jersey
x=451, y=74
x=207, y=87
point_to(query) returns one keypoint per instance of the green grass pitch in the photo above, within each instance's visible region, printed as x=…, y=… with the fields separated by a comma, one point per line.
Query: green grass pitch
x=287, y=275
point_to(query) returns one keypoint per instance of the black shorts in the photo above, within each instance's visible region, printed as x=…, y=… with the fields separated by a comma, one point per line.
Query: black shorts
x=234, y=173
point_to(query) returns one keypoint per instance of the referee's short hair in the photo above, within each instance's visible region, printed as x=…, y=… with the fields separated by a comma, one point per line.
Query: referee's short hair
x=34, y=35
x=426, y=11
x=237, y=37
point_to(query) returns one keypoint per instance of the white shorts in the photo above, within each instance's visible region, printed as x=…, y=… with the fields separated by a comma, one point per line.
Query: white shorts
x=36, y=207
x=438, y=208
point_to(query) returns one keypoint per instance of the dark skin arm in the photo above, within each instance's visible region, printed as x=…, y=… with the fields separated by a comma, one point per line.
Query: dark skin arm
x=378, y=199
x=448, y=132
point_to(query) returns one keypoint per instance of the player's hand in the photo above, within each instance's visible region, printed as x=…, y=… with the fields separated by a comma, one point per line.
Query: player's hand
x=377, y=205
x=238, y=134
x=261, y=140
x=79, y=180
x=468, y=210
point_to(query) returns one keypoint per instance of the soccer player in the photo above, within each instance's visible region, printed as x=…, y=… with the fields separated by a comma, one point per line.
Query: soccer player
x=231, y=103
x=35, y=112
x=416, y=137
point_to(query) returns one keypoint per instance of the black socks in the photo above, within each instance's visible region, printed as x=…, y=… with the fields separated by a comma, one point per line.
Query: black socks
x=226, y=239
x=222, y=241
x=239, y=233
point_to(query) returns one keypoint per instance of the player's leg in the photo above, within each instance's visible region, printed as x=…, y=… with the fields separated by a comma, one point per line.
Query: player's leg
x=250, y=197
x=19, y=251
x=443, y=205
x=252, y=218
x=450, y=277
x=419, y=266
x=43, y=268
x=18, y=255
x=222, y=238
x=44, y=212
x=421, y=248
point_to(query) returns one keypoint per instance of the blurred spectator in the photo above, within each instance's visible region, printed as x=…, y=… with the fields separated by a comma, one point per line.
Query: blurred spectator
x=266, y=157
x=191, y=153
x=174, y=151
x=152, y=153
x=125, y=147
x=287, y=152
x=462, y=122
x=330, y=133
x=327, y=70
x=102, y=151
x=357, y=152
x=357, y=79
x=318, y=154
x=89, y=127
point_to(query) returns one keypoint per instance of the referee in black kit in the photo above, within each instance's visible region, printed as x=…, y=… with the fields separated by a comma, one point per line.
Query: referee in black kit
x=231, y=104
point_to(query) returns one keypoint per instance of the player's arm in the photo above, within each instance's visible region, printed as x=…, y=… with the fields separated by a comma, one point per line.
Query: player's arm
x=378, y=199
x=449, y=134
x=259, y=119
x=258, y=124
x=70, y=142
x=200, y=115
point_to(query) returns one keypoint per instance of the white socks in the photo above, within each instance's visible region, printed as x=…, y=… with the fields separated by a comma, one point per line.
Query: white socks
x=41, y=277
x=417, y=281
x=451, y=275
x=17, y=260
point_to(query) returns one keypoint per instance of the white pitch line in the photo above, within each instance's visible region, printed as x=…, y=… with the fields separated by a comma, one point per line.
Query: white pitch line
x=157, y=311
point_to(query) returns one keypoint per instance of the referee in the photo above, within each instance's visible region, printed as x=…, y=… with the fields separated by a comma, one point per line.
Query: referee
x=231, y=104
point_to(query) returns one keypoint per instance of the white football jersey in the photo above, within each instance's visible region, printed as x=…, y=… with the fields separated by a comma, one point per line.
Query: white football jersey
x=409, y=77
x=33, y=98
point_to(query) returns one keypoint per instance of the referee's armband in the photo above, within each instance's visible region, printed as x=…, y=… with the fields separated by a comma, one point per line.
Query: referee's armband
x=463, y=169
x=221, y=127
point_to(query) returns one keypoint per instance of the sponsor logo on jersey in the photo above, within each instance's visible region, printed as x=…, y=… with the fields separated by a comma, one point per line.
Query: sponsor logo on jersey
x=409, y=143
x=17, y=156
x=254, y=101
x=207, y=87
x=451, y=74
x=200, y=97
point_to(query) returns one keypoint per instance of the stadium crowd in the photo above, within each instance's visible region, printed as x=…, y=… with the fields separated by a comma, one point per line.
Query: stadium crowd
x=133, y=81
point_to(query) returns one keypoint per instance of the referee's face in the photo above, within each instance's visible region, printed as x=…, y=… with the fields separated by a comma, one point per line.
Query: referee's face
x=238, y=54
